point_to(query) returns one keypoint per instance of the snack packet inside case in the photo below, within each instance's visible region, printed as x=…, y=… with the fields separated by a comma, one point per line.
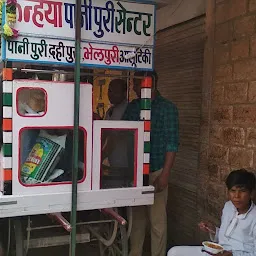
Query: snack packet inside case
x=43, y=158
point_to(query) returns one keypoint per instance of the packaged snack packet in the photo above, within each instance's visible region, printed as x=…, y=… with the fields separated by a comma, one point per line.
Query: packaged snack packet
x=43, y=158
x=31, y=103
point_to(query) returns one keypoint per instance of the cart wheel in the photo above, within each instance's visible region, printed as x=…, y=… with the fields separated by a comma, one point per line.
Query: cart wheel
x=19, y=238
x=129, y=220
x=120, y=245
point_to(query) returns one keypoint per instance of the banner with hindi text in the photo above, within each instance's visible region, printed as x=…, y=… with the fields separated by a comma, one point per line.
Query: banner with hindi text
x=110, y=31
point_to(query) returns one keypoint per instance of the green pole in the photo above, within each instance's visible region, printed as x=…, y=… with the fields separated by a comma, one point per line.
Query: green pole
x=72, y=251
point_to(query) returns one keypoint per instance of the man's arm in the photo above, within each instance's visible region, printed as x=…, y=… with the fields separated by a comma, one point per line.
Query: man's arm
x=168, y=163
x=171, y=129
x=162, y=180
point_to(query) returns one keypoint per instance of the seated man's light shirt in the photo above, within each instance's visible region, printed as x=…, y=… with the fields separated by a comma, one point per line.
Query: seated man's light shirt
x=237, y=234
x=238, y=231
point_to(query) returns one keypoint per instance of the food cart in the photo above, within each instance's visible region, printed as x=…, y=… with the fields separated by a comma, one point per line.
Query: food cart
x=51, y=163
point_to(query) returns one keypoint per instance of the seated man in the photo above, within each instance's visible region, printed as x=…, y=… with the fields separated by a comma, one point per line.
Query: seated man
x=237, y=233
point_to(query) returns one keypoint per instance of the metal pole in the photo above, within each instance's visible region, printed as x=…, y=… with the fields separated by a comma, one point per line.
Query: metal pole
x=72, y=251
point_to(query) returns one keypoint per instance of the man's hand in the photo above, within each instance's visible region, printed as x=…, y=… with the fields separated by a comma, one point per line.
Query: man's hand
x=207, y=227
x=161, y=182
x=225, y=253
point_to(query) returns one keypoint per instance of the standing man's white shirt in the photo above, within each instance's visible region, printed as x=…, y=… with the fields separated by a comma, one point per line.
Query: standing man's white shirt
x=116, y=112
x=118, y=157
x=237, y=233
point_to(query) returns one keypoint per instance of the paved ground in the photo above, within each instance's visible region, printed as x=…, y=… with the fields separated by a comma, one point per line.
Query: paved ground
x=82, y=250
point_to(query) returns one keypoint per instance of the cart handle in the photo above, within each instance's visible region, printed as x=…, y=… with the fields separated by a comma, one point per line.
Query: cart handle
x=115, y=215
x=61, y=220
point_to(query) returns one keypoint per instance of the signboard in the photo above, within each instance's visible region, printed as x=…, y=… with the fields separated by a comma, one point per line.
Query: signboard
x=115, y=34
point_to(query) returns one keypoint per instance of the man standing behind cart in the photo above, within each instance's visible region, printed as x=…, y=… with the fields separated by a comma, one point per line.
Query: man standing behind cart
x=164, y=145
x=117, y=95
x=116, y=145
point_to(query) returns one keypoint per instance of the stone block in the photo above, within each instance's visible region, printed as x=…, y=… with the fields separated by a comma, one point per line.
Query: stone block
x=218, y=93
x=254, y=162
x=216, y=134
x=213, y=172
x=219, y=154
x=252, y=91
x=244, y=69
x=241, y=157
x=221, y=54
x=236, y=93
x=244, y=26
x=228, y=135
x=222, y=115
x=230, y=9
x=252, y=5
x=223, y=32
x=224, y=172
x=253, y=46
x=233, y=136
x=223, y=73
x=244, y=114
x=251, y=137
x=240, y=49
x=215, y=191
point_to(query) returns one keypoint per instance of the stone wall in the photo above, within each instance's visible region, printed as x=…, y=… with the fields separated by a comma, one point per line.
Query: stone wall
x=228, y=124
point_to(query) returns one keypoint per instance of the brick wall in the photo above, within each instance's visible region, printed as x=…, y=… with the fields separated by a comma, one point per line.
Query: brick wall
x=228, y=125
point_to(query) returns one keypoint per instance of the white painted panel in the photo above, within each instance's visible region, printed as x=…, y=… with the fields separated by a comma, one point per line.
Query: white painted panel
x=7, y=86
x=7, y=162
x=145, y=114
x=7, y=137
x=60, y=107
x=98, y=125
x=146, y=93
x=21, y=205
x=7, y=112
x=146, y=136
x=146, y=158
